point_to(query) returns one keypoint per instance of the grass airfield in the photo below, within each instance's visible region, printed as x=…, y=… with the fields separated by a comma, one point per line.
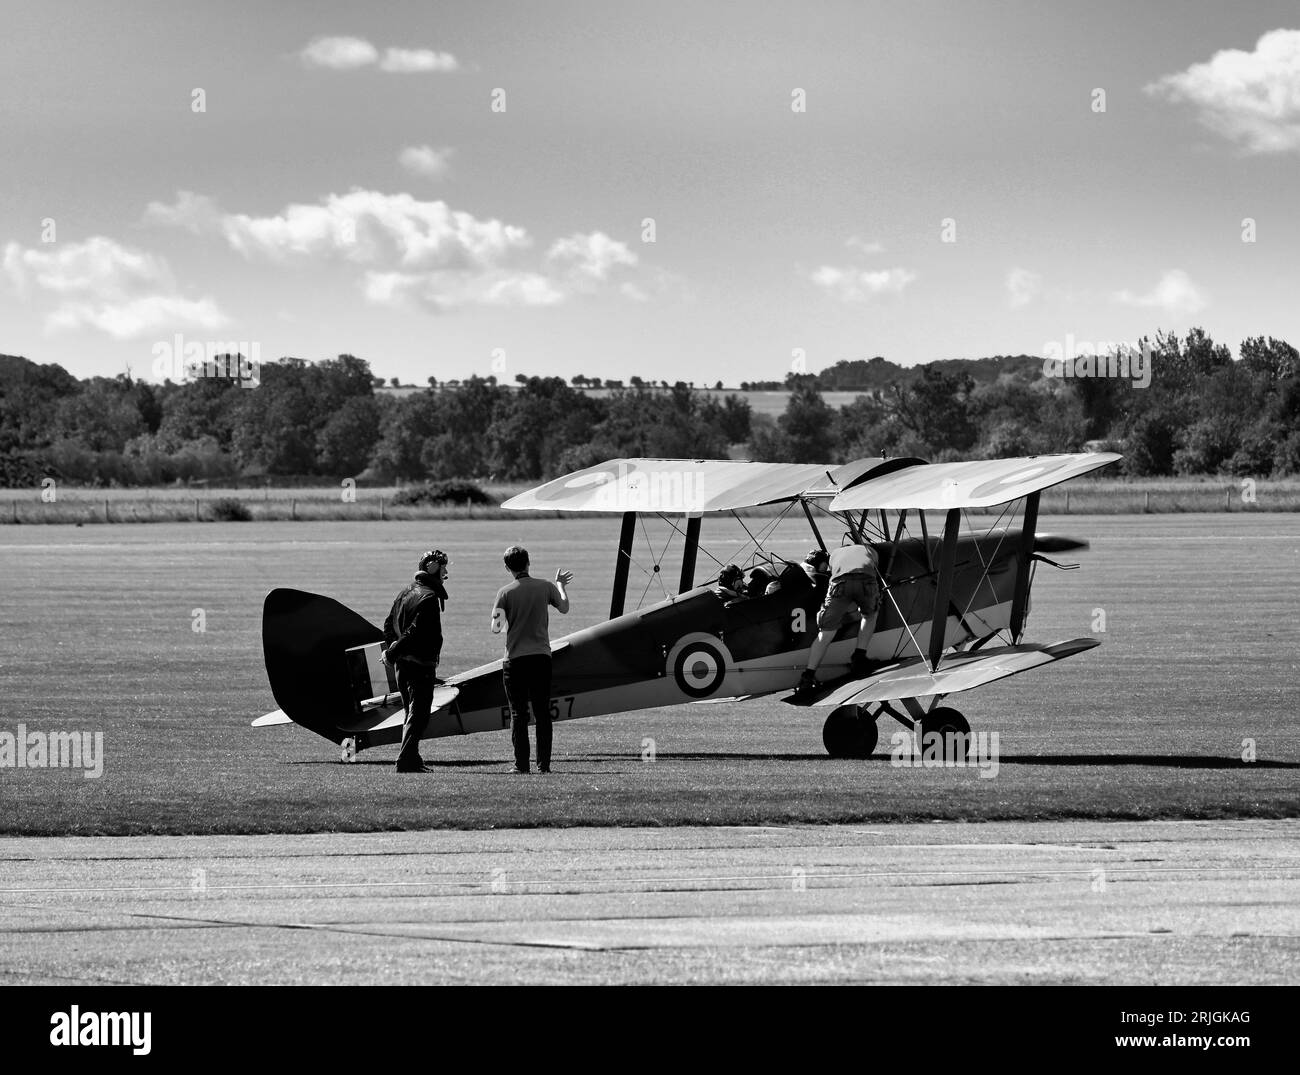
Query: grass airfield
x=704, y=843
x=1199, y=654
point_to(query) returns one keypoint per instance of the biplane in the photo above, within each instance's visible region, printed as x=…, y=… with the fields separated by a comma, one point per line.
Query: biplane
x=954, y=603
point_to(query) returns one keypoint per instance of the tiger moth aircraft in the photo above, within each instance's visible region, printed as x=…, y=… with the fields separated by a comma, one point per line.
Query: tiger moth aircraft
x=952, y=611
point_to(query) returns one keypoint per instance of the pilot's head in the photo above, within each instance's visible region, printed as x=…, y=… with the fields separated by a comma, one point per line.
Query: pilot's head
x=731, y=577
x=435, y=562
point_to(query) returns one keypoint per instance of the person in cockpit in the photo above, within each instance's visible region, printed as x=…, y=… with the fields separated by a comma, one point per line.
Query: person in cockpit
x=731, y=583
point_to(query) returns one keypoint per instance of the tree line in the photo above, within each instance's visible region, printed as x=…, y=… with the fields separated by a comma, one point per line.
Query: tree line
x=1201, y=412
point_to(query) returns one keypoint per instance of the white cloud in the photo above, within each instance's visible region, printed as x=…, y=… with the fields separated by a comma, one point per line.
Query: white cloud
x=193, y=212
x=852, y=284
x=350, y=53
x=339, y=53
x=415, y=253
x=103, y=285
x=1174, y=294
x=416, y=61
x=443, y=290
x=1248, y=97
x=588, y=259
x=1023, y=286
x=137, y=317
x=861, y=245
x=369, y=227
x=427, y=161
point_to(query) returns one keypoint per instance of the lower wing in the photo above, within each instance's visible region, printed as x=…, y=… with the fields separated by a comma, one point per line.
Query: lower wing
x=956, y=672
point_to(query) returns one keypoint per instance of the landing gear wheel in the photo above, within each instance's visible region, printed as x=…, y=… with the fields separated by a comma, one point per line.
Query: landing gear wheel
x=850, y=732
x=349, y=753
x=952, y=727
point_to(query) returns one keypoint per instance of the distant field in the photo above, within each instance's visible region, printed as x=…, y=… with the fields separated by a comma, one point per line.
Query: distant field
x=320, y=503
x=1201, y=652
x=770, y=403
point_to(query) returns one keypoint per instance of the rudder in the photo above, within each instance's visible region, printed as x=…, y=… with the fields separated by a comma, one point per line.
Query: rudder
x=304, y=639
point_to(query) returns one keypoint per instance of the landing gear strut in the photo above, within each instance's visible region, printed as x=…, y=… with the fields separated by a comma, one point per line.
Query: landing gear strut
x=850, y=732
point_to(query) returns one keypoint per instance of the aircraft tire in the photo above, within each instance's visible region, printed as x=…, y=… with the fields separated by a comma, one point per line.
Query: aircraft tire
x=949, y=723
x=849, y=732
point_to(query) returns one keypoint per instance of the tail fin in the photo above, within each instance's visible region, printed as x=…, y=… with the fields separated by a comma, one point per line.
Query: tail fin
x=304, y=636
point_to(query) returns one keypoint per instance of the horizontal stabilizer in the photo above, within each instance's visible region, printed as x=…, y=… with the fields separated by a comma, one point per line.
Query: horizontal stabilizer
x=378, y=716
x=956, y=672
x=269, y=720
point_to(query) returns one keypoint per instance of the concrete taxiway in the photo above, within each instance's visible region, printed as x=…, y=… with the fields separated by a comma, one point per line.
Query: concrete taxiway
x=1005, y=902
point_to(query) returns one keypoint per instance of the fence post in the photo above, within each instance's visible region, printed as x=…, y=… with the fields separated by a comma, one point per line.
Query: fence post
x=1067, y=502
x=196, y=509
x=105, y=509
x=381, y=509
x=1227, y=500
x=293, y=509
x=1146, y=502
x=14, y=504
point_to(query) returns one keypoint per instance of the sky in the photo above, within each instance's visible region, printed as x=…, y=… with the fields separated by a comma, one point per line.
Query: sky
x=684, y=191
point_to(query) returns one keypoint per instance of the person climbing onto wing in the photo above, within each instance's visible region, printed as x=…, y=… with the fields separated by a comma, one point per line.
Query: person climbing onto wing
x=854, y=586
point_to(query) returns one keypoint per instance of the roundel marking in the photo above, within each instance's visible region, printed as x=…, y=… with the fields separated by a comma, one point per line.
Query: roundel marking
x=699, y=664
x=1023, y=474
x=596, y=478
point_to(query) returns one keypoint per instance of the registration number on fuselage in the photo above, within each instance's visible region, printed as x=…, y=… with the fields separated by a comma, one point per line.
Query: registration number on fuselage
x=561, y=709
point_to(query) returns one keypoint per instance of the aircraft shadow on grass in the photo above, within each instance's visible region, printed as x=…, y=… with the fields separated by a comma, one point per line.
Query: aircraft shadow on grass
x=387, y=763
x=1184, y=761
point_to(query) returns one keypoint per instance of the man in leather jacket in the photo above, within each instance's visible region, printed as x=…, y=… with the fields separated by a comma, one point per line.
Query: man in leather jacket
x=413, y=632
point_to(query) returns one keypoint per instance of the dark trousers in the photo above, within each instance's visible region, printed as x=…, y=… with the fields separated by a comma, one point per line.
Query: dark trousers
x=415, y=681
x=528, y=684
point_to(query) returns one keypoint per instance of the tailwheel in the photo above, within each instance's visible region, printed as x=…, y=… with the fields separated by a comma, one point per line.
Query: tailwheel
x=953, y=729
x=850, y=732
x=349, y=752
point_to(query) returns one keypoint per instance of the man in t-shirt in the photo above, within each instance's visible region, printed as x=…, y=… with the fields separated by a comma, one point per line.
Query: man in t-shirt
x=521, y=610
x=853, y=586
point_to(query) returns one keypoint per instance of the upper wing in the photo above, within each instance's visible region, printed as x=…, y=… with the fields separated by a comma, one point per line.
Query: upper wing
x=976, y=484
x=956, y=672
x=675, y=486
x=687, y=486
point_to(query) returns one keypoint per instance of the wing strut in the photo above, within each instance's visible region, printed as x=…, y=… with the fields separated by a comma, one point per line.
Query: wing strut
x=1020, y=596
x=809, y=516
x=943, y=593
x=622, y=564
x=688, y=554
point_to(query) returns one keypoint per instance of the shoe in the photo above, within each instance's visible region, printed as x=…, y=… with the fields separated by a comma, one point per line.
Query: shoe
x=514, y=770
x=807, y=685
x=543, y=768
x=859, y=666
x=422, y=767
